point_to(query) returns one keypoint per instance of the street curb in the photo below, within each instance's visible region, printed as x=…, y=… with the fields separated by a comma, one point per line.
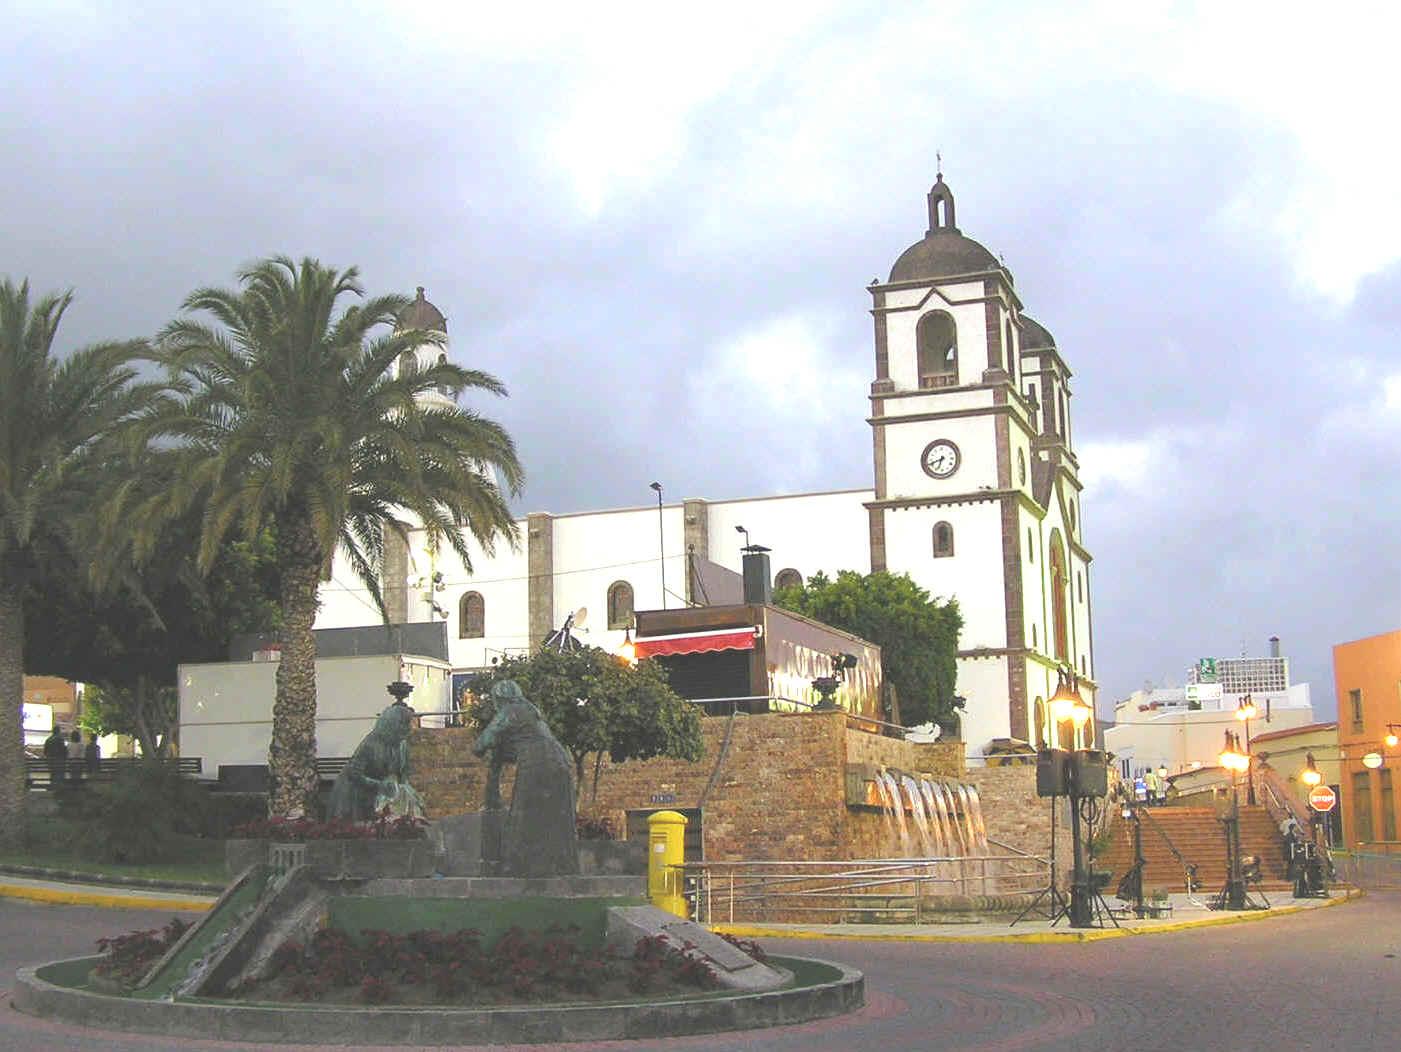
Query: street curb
x=62, y=897
x=759, y=931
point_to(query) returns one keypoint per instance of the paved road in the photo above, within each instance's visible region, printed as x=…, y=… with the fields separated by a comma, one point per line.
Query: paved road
x=1329, y=980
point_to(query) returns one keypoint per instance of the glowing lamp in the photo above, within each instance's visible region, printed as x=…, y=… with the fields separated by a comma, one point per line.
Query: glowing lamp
x=1391, y=739
x=1372, y=761
x=627, y=651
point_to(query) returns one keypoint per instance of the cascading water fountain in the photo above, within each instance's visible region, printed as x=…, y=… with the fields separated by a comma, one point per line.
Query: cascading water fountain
x=887, y=808
x=975, y=810
x=917, y=812
x=892, y=792
x=936, y=824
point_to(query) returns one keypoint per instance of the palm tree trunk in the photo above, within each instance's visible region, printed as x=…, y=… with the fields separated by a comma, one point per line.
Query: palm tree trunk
x=292, y=755
x=13, y=792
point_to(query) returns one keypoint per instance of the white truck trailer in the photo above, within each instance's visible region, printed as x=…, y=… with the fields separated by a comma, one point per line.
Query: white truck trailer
x=226, y=706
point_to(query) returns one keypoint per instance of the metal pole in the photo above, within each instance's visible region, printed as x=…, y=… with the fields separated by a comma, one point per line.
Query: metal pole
x=661, y=540
x=1249, y=771
x=1081, y=915
x=1235, y=884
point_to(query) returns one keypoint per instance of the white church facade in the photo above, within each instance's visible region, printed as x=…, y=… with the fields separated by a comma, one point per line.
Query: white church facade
x=975, y=494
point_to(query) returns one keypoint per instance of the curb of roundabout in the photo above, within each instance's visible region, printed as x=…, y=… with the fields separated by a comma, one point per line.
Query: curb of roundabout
x=36, y=994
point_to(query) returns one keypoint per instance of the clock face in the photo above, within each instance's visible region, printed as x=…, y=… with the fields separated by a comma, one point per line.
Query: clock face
x=940, y=459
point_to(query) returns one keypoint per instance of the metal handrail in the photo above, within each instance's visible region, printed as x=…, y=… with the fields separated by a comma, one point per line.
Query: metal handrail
x=1189, y=869
x=803, y=885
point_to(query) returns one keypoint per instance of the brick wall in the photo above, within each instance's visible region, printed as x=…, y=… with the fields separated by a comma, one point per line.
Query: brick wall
x=772, y=786
x=1015, y=815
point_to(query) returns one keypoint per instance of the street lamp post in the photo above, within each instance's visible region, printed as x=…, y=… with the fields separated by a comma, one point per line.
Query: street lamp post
x=661, y=538
x=1084, y=776
x=1246, y=712
x=1233, y=896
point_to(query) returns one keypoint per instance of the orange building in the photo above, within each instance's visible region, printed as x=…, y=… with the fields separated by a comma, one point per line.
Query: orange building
x=1367, y=675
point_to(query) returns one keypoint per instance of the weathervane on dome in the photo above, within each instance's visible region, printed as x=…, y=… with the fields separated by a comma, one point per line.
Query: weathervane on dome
x=938, y=164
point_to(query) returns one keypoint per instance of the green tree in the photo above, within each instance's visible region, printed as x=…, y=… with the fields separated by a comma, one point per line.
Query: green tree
x=146, y=711
x=56, y=418
x=597, y=705
x=284, y=413
x=918, y=636
x=129, y=640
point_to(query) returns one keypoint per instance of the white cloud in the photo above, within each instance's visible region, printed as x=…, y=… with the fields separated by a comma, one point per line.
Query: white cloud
x=782, y=379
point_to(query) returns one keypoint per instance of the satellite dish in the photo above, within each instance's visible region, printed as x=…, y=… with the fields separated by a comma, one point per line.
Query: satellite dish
x=580, y=616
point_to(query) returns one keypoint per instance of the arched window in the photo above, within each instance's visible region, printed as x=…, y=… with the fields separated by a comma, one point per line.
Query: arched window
x=1034, y=642
x=937, y=341
x=1060, y=586
x=1021, y=467
x=1079, y=587
x=1030, y=548
x=943, y=540
x=1063, y=425
x=620, y=605
x=788, y=578
x=471, y=616
x=1040, y=741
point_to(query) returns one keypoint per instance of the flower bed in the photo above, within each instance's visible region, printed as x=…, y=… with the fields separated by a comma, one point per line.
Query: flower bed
x=456, y=968
x=127, y=958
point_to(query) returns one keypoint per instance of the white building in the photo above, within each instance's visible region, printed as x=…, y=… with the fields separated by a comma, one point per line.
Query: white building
x=1183, y=728
x=975, y=495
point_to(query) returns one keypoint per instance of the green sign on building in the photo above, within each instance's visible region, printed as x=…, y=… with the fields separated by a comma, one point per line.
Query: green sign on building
x=1206, y=670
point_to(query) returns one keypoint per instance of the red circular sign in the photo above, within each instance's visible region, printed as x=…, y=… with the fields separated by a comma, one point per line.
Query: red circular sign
x=1322, y=798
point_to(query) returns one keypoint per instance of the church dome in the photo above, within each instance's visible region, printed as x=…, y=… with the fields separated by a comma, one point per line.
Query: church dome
x=1034, y=335
x=420, y=314
x=944, y=252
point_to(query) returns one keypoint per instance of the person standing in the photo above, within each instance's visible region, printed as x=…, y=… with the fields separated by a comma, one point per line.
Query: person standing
x=75, y=756
x=1150, y=785
x=92, y=756
x=1140, y=789
x=56, y=755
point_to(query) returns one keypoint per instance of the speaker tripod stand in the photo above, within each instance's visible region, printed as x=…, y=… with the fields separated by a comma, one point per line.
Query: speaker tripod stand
x=1050, y=902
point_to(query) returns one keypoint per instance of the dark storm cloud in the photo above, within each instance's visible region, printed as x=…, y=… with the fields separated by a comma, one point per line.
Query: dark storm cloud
x=156, y=156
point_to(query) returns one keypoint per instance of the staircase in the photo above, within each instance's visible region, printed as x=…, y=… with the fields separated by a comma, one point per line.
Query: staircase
x=1200, y=838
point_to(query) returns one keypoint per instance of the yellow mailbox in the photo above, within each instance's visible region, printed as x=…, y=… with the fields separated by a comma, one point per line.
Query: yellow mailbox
x=666, y=850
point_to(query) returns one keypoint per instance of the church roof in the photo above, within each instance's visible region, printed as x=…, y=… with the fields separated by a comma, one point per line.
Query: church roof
x=420, y=314
x=1034, y=335
x=943, y=252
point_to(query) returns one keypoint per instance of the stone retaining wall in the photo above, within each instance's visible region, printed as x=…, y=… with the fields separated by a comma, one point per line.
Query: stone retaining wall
x=776, y=789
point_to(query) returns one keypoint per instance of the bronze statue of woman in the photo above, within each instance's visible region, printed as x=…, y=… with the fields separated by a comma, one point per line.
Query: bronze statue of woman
x=539, y=837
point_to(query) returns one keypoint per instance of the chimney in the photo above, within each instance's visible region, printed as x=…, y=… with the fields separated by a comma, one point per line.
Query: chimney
x=1274, y=646
x=758, y=585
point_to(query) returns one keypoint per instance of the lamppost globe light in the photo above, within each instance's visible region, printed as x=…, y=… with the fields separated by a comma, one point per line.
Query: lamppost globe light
x=1391, y=739
x=1310, y=776
x=1080, y=713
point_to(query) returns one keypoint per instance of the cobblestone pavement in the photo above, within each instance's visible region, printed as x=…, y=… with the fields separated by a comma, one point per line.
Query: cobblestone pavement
x=1329, y=979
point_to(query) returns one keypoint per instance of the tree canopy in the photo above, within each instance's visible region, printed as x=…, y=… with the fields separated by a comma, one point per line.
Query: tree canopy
x=597, y=705
x=57, y=422
x=918, y=636
x=286, y=410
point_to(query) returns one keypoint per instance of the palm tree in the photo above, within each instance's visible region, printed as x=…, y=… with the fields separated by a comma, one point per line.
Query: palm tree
x=286, y=415
x=56, y=420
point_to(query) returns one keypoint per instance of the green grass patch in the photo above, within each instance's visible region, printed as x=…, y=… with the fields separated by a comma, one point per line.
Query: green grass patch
x=192, y=859
x=492, y=917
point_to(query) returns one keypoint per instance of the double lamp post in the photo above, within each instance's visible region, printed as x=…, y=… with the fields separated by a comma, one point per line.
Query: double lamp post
x=1082, y=775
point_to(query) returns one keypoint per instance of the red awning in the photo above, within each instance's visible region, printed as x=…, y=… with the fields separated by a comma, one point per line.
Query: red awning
x=697, y=642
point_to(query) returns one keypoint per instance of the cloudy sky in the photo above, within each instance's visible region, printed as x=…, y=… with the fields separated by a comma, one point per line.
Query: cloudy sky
x=651, y=225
